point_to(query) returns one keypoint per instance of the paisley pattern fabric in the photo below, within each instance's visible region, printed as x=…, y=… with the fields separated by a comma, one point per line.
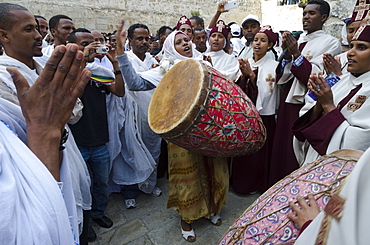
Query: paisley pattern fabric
x=266, y=222
x=198, y=184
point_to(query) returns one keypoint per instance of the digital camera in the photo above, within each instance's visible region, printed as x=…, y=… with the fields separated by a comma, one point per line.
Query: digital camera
x=102, y=49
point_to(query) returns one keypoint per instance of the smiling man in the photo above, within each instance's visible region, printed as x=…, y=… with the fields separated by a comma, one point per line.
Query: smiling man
x=303, y=58
x=60, y=28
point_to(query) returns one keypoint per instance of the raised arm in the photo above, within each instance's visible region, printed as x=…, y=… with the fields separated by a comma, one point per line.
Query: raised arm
x=220, y=10
x=119, y=87
x=133, y=81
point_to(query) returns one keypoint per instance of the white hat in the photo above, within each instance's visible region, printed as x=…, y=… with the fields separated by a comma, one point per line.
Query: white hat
x=235, y=30
x=251, y=17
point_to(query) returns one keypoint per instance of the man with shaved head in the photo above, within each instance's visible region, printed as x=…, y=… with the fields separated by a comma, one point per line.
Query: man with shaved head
x=40, y=174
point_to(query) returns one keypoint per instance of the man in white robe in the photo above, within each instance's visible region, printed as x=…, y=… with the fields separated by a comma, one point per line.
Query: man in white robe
x=20, y=47
x=135, y=168
x=60, y=28
x=41, y=193
x=301, y=59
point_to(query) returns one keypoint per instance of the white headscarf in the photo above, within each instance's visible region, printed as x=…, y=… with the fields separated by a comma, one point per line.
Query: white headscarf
x=170, y=55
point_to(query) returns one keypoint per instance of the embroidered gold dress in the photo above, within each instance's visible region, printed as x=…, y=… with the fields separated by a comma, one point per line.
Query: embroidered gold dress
x=197, y=184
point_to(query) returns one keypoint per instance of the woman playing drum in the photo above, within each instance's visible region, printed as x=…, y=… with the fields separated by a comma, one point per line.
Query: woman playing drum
x=250, y=172
x=192, y=192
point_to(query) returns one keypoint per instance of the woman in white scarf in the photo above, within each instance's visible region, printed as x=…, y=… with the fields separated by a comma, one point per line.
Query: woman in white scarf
x=185, y=168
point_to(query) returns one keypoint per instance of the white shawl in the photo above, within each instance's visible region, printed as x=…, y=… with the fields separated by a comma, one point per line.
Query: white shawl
x=170, y=57
x=267, y=99
x=32, y=207
x=226, y=64
x=140, y=145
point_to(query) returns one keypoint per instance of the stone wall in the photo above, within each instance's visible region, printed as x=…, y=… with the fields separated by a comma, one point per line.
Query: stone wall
x=103, y=15
x=340, y=9
x=289, y=17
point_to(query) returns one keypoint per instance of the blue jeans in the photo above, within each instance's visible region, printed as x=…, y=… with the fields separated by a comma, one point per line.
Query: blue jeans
x=97, y=160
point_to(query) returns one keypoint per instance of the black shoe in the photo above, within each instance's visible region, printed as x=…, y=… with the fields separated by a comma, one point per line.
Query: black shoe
x=91, y=235
x=104, y=222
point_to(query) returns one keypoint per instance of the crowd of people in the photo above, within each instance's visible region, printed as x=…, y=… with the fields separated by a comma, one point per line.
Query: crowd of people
x=74, y=116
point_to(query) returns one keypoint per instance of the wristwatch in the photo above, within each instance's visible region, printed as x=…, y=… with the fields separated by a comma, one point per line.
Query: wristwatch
x=63, y=139
x=117, y=72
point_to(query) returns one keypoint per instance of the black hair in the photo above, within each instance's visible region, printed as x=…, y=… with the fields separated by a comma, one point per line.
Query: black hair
x=324, y=6
x=131, y=29
x=198, y=20
x=162, y=30
x=72, y=36
x=54, y=21
x=198, y=29
x=6, y=18
x=39, y=16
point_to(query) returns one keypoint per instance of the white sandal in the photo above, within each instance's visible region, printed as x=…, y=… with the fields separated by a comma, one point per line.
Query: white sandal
x=216, y=219
x=187, y=234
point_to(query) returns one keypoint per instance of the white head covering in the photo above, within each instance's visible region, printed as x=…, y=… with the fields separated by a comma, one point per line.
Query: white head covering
x=170, y=55
x=251, y=17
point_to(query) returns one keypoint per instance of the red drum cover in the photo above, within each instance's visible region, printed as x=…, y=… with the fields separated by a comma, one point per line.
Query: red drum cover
x=199, y=109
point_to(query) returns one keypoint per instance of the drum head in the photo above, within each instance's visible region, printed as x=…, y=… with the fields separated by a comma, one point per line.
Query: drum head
x=177, y=100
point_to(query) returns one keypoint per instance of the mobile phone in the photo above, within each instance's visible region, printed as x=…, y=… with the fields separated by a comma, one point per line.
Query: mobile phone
x=231, y=5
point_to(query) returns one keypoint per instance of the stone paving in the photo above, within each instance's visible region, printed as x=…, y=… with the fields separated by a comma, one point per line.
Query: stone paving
x=150, y=223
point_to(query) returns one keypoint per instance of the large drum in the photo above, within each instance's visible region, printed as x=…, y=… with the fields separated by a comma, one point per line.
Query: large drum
x=266, y=222
x=199, y=109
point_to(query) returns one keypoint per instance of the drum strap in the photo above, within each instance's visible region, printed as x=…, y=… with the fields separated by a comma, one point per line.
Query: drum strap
x=333, y=210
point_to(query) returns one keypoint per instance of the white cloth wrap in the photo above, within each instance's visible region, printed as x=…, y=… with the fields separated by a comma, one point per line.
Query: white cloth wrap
x=140, y=146
x=73, y=167
x=226, y=64
x=32, y=207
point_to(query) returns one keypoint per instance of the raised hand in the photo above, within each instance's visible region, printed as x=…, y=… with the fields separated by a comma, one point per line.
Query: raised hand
x=320, y=88
x=48, y=103
x=289, y=42
x=246, y=70
x=121, y=37
x=220, y=7
x=332, y=64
